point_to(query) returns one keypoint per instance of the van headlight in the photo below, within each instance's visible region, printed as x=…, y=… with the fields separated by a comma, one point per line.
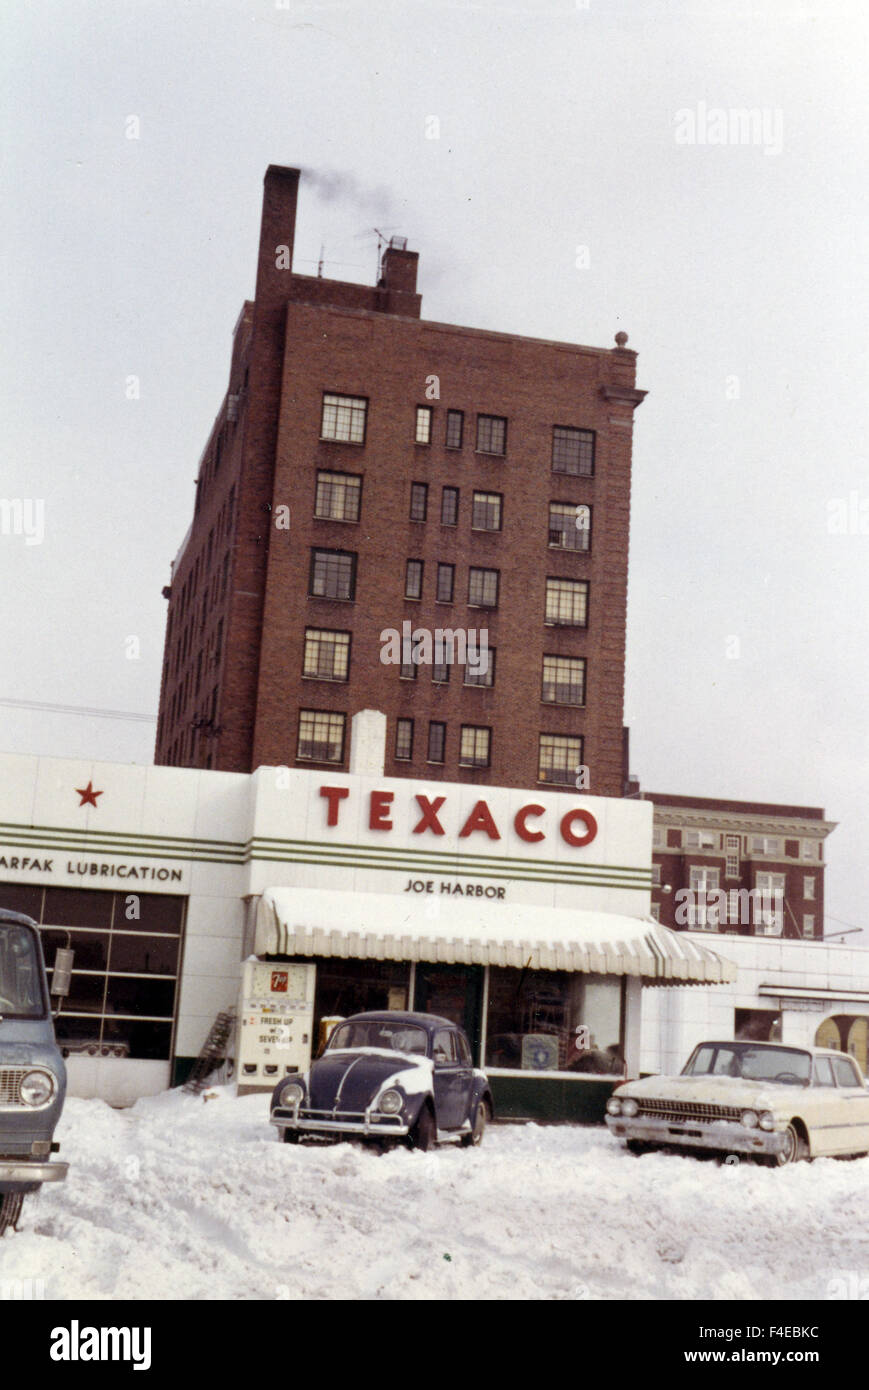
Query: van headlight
x=37, y=1088
x=291, y=1094
x=390, y=1102
x=613, y=1106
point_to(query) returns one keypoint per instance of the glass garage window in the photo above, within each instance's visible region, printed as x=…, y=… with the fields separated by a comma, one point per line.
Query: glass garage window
x=548, y=1020
x=125, y=973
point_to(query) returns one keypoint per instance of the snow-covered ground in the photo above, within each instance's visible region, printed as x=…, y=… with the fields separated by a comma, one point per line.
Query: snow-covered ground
x=180, y=1198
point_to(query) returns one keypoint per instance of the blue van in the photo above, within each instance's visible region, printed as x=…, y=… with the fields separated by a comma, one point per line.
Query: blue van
x=32, y=1073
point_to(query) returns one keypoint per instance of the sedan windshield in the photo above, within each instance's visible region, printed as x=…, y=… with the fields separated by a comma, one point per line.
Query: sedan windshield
x=787, y=1065
x=21, y=993
x=394, y=1037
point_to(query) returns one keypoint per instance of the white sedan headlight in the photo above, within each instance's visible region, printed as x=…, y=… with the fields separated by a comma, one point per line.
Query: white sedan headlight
x=613, y=1106
x=748, y=1118
x=767, y=1120
x=37, y=1088
x=629, y=1106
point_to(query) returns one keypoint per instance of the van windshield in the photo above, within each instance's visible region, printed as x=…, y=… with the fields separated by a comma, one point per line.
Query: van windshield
x=21, y=993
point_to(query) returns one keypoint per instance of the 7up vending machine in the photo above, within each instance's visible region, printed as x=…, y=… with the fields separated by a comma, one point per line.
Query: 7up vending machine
x=275, y=1023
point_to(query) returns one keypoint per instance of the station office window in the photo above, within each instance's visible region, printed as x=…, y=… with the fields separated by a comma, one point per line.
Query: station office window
x=573, y=451
x=327, y=654
x=343, y=418
x=321, y=736
x=548, y=1020
x=338, y=496
x=125, y=969
x=491, y=434
x=333, y=574
x=423, y=424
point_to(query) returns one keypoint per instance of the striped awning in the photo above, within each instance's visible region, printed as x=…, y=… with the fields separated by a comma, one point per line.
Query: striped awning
x=380, y=926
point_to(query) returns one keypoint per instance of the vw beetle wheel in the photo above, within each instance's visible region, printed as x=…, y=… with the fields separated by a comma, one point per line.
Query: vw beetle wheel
x=481, y=1119
x=424, y=1132
x=10, y=1210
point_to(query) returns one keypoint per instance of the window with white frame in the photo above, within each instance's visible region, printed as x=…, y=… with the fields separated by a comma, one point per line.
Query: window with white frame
x=703, y=882
x=656, y=875
x=700, y=839
x=808, y=886
x=423, y=424
x=655, y=912
x=811, y=849
x=808, y=924
x=657, y=836
x=731, y=851
x=344, y=419
x=769, y=904
x=765, y=844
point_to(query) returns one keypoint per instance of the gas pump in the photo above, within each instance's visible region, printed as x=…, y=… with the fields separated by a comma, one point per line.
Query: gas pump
x=276, y=1022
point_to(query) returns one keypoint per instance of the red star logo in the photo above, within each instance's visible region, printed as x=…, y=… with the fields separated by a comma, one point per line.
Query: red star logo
x=88, y=795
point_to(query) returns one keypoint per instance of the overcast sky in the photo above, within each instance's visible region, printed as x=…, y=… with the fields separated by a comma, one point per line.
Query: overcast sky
x=587, y=177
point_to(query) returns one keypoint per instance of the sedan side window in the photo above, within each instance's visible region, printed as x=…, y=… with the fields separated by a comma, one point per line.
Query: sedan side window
x=442, y=1048
x=823, y=1072
x=844, y=1071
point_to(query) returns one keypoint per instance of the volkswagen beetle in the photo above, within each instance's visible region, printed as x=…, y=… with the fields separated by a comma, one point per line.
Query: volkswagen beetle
x=389, y=1077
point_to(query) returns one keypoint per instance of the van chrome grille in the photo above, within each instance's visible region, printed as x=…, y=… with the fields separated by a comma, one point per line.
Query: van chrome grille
x=10, y=1084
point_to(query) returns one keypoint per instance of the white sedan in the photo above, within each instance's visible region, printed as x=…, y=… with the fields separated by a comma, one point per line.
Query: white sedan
x=766, y=1100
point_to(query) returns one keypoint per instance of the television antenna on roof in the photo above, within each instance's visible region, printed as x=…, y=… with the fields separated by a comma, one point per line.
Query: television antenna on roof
x=383, y=241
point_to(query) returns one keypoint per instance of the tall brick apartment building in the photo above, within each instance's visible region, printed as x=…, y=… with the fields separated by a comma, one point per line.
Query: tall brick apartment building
x=708, y=856
x=369, y=469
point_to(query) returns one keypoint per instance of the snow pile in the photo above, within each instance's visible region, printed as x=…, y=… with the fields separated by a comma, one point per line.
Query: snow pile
x=176, y=1198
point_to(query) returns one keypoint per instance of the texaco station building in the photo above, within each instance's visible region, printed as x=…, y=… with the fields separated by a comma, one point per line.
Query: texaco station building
x=522, y=915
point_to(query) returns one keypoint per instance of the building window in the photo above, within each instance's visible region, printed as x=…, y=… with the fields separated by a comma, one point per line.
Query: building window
x=732, y=846
x=338, y=496
x=321, y=736
x=404, y=739
x=573, y=451
x=418, y=501
x=475, y=675
x=455, y=428
x=440, y=672
x=700, y=839
x=655, y=912
x=423, y=424
x=808, y=925
x=656, y=875
x=413, y=579
x=567, y=602
x=327, y=654
x=446, y=582
x=491, y=434
x=547, y=1020
x=765, y=844
x=703, y=883
x=483, y=588
x=563, y=680
x=811, y=849
x=808, y=886
x=437, y=737
x=560, y=755
x=476, y=745
x=657, y=836
x=569, y=526
x=344, y=419
x=449, y=506
x=333, y=574
x=769, y=911
x=486, y=515
x=407, y=671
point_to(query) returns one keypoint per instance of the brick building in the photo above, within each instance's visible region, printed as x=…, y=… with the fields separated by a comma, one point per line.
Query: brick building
x=739, y=867
x=370, y=472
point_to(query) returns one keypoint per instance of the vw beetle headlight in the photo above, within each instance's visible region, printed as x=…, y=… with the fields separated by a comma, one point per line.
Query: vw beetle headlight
x=291, y=1094
x=629, y=1107
x=613, y=1106
x=390, y=1102
x=748, y=1118
x=37, y=1088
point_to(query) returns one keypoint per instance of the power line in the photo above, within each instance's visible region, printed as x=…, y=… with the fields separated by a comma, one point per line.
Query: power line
x=80, y=709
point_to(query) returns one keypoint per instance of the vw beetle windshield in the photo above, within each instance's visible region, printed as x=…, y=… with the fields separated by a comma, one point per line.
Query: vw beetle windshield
x=395, y=1037
x=20, y=974
x=786, y=1065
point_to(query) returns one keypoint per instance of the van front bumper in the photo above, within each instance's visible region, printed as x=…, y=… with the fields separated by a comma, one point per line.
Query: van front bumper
x=725, y=1136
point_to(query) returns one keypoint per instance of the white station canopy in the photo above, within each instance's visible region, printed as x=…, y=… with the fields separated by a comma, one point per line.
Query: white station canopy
x=380, y=926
